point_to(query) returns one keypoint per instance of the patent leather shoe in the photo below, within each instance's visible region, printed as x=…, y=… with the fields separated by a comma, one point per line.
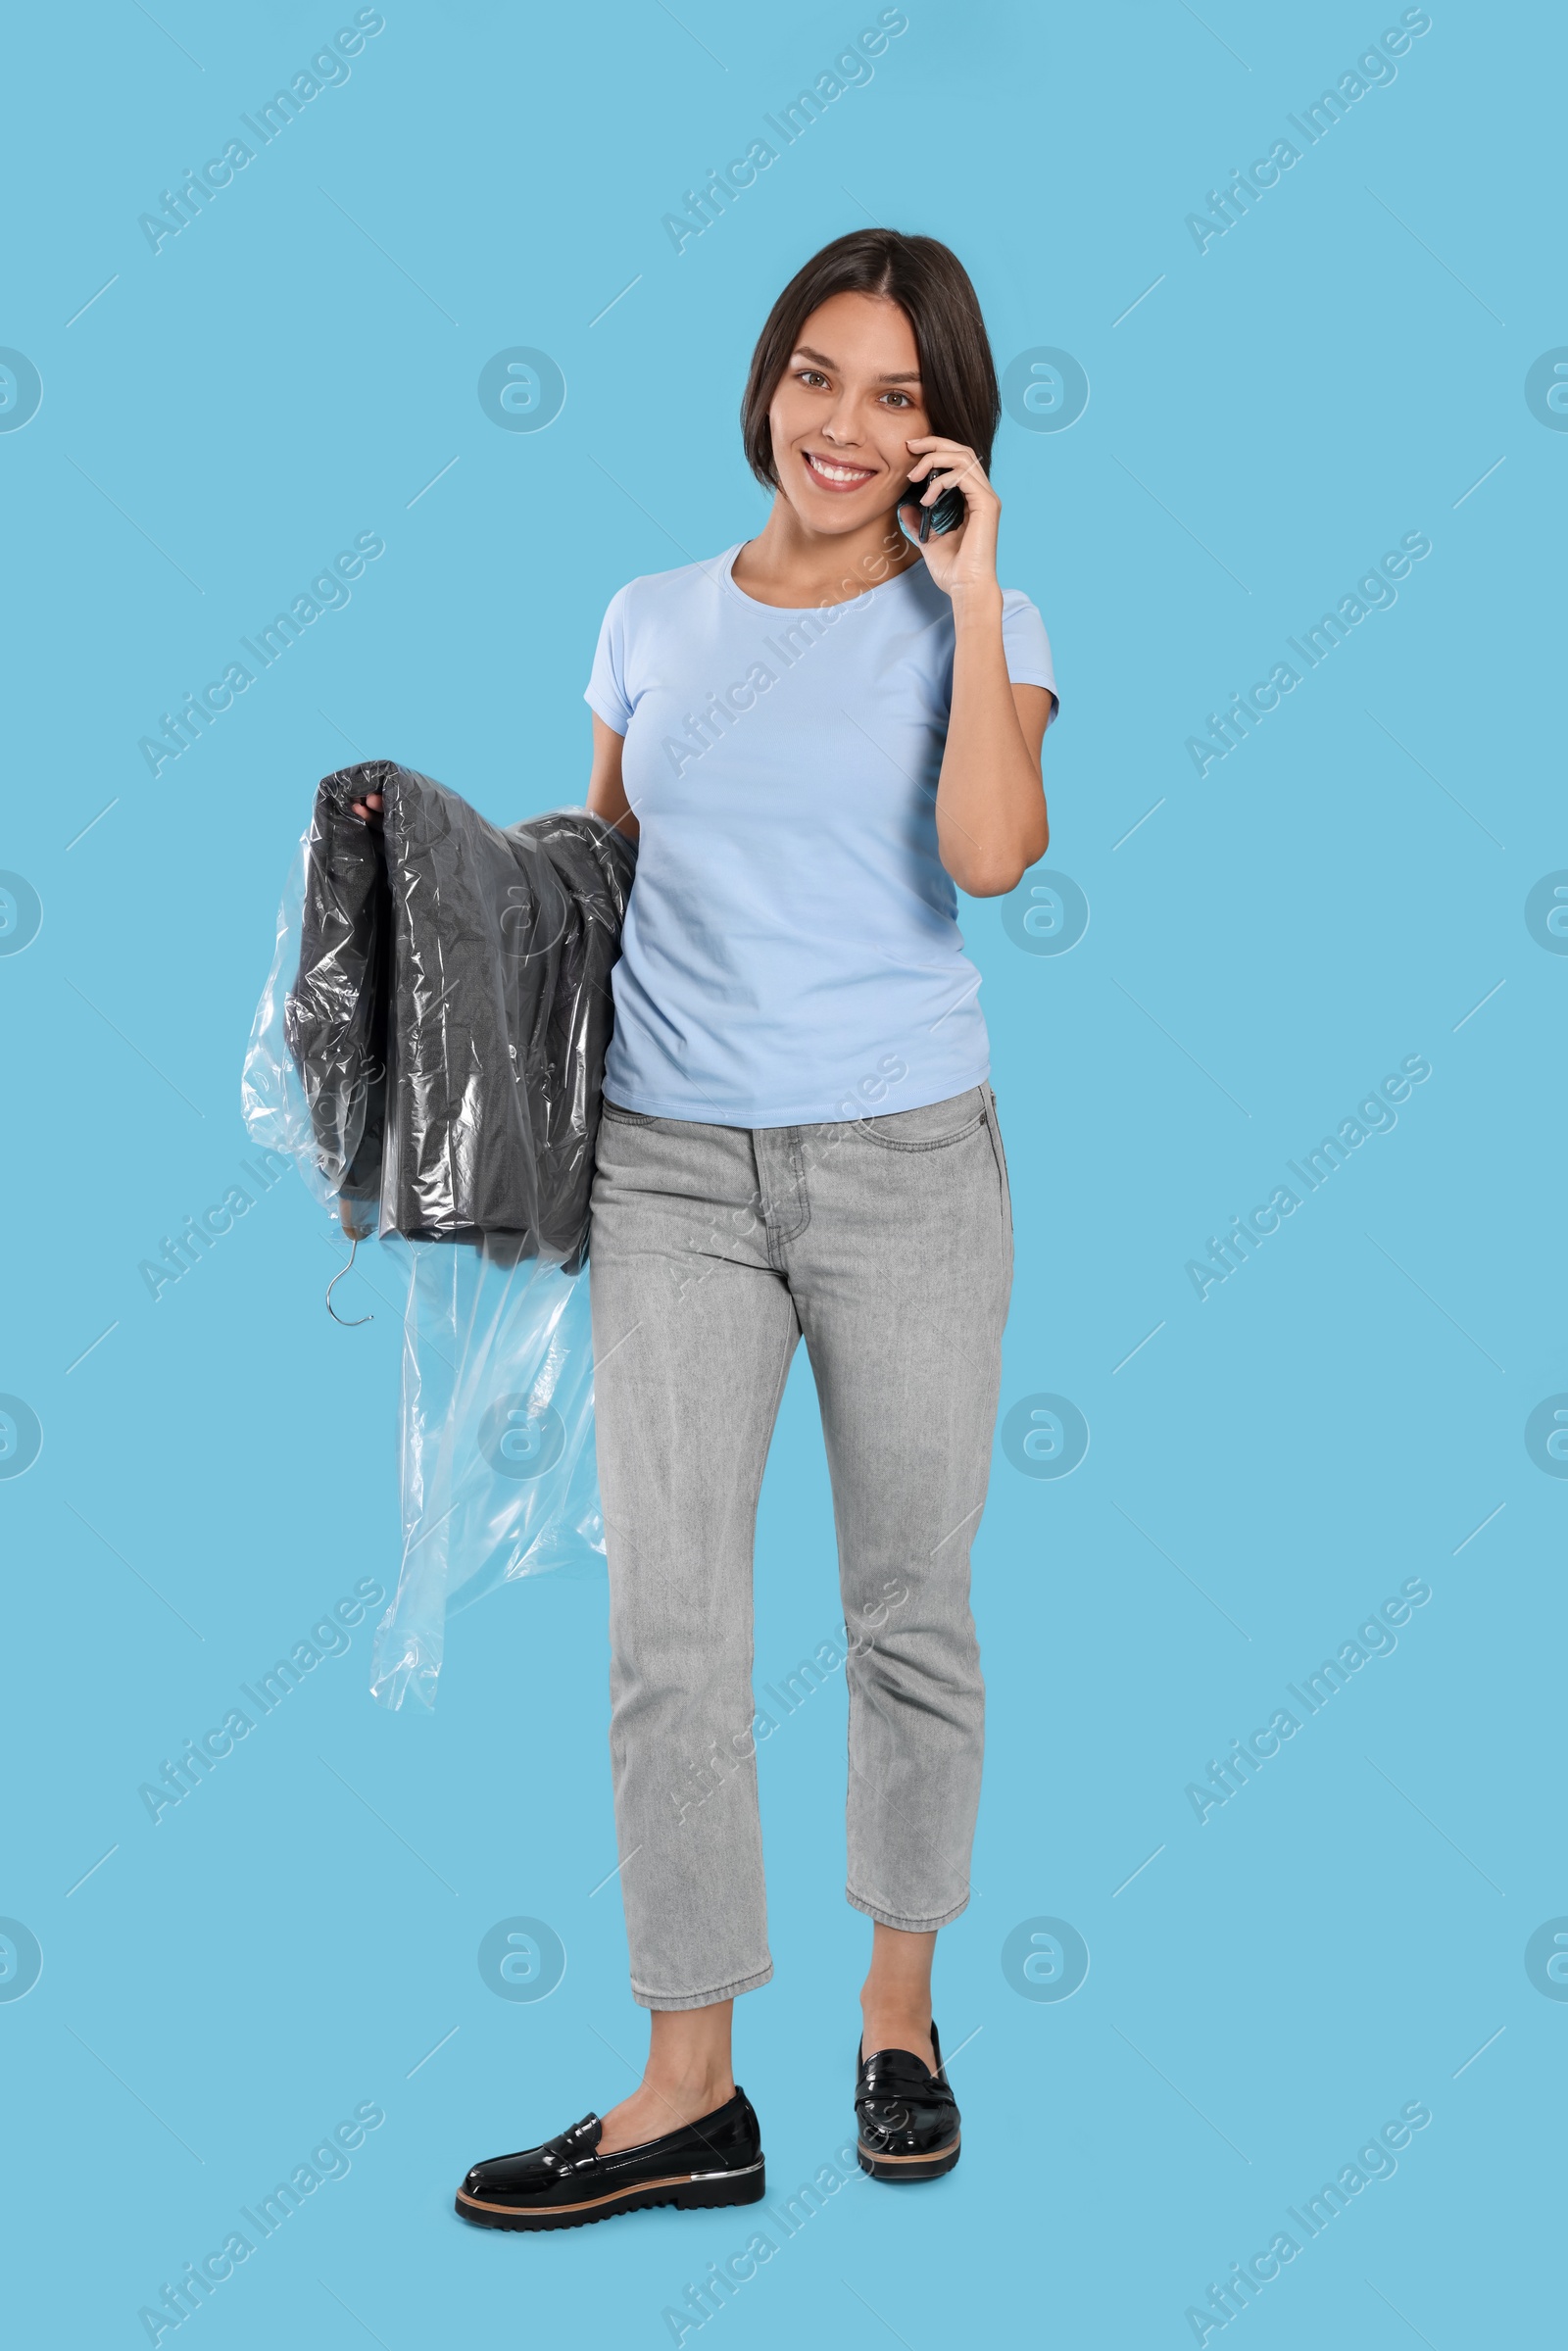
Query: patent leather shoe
x=907, y=2116
x=566, y=2182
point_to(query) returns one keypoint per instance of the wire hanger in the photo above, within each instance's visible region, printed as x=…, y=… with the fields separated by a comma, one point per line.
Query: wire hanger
x=332, y=1285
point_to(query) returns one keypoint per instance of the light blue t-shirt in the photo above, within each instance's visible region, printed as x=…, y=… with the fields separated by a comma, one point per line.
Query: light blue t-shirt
x=791, y=952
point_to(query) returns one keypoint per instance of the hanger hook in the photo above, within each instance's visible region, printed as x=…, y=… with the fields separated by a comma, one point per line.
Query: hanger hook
x=333, y=1283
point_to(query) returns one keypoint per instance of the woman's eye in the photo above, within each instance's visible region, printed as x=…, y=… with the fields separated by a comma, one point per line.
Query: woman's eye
x=903, y=398
x=810, y=375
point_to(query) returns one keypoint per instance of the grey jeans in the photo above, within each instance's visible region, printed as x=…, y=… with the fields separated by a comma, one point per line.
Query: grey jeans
x=888, y=1242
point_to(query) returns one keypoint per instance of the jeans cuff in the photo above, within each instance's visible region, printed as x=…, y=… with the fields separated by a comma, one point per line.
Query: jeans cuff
x=891, y=1918
x=702, y=1999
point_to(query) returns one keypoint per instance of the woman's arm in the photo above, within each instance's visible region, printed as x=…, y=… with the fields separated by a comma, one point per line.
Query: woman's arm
x=606, y=792
x=991, y=804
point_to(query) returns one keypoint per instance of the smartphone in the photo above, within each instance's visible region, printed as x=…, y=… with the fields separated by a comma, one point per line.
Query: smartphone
x=947, y=515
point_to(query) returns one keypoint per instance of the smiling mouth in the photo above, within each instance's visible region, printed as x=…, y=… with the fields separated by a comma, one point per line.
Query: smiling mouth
x=829, y=475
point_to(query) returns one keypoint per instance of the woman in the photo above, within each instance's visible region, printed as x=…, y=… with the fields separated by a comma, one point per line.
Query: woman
x=813, y=737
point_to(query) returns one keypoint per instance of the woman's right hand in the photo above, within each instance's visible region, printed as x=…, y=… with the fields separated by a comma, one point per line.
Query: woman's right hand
x=368, y=809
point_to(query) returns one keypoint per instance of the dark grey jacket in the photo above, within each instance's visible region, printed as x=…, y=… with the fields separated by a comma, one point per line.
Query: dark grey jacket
x=452, y=1008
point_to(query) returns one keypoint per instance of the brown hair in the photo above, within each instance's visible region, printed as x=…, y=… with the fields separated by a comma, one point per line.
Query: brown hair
x=932, y=287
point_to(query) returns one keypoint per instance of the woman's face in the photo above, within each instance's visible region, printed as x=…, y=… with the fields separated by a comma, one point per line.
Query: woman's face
x=845, y=409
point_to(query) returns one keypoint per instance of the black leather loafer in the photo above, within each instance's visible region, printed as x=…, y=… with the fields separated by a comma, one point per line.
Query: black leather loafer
x=907, y=2116
x=566, y=2182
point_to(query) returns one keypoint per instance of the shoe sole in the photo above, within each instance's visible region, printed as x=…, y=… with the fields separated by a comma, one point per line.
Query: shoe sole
x=688, y=2191
x=909, y=2167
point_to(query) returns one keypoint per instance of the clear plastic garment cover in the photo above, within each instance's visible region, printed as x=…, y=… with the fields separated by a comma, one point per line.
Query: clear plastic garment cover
x=429, y=1050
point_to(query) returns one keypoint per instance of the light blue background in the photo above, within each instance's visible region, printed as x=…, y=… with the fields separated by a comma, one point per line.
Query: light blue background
x=1339, y=893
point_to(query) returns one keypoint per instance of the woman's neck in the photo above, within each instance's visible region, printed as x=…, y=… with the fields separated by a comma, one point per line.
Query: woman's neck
x=789, y=565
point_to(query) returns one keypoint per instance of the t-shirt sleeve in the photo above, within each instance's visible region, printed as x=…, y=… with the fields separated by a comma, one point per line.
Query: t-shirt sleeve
x=605, y=691
x=1026, y=644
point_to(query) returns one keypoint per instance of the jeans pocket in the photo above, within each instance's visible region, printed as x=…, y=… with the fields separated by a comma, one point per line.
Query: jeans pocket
x=623, y=1119
x=930, y=1127
x=994, y=1129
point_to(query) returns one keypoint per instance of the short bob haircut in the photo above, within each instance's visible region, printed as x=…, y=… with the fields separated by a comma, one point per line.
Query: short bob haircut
x=931, y=287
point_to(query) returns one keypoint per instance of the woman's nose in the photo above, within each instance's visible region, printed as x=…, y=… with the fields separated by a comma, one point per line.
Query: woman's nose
x=843, y=429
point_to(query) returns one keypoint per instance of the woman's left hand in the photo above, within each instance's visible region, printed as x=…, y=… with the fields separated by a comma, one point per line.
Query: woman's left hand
x=965, y=558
